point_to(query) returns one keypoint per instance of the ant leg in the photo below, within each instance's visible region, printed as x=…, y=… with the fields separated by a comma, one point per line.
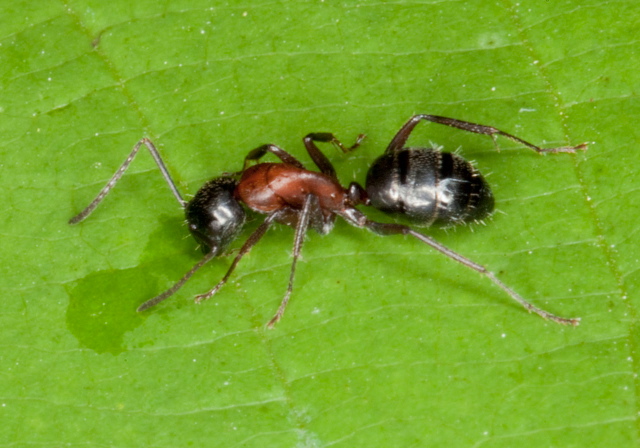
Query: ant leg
x=171, y=291
x=311, y=204
x=256, y=154
x=321, y=161
x=246, y=247
x=401, y=137
x=358, y=219
x=112, y=182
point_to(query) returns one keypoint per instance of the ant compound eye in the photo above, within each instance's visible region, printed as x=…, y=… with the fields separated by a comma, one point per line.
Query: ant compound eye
x=215, y=217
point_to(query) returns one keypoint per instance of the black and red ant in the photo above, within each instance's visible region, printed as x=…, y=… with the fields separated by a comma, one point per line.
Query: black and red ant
x=425, y=186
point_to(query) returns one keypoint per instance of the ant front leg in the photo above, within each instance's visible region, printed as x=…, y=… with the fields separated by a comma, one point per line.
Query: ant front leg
x=321, y=161
x=171, y=291
x=400, y=139
x=246, y=247
x=256, y=154
x=358, y=219
x=118, y=174
x=311, y=206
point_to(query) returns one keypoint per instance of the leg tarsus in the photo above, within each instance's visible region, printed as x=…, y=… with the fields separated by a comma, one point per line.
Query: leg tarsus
x=171, y=291
x=321, y=161
x=329, y=137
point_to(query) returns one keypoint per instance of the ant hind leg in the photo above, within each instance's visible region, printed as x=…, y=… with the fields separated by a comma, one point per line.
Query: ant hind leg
x=358, y=219
x=400, y=139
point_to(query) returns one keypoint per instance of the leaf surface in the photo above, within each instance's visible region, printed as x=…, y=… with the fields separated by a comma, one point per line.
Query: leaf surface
x=385, y=343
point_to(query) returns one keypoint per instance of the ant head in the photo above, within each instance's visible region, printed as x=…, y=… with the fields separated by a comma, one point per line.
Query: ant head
x=428, y=187
x=214, y=216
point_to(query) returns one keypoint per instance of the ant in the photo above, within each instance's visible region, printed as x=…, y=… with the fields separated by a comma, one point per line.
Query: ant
x=425, y=186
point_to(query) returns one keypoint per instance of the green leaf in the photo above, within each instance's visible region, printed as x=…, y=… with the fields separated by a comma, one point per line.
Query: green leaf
x=385, y=342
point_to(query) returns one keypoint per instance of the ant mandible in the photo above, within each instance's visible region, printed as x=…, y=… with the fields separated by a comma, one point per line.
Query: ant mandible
x=425, y=186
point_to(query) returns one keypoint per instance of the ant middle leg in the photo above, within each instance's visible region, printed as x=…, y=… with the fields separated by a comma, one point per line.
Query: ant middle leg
x=400, y=139
x=311, y=207
x=321, y=161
